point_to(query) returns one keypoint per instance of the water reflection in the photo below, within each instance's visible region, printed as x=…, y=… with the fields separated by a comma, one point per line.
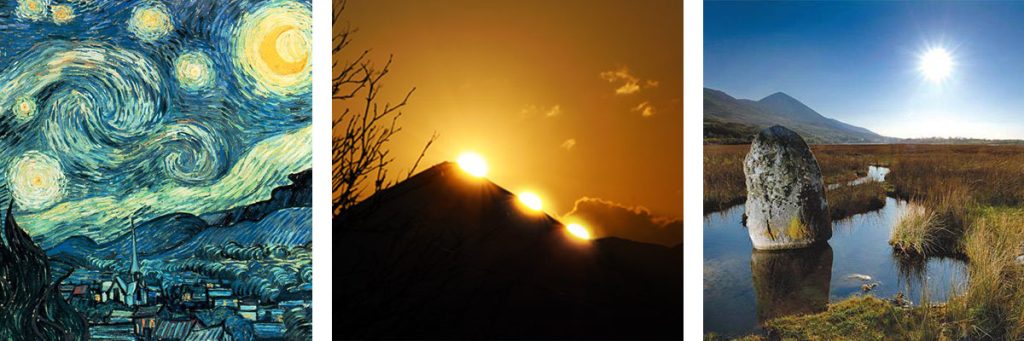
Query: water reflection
x=859, y=255
x=791, y=282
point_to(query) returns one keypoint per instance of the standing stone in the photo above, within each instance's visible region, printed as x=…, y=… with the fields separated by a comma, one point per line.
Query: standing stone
x=786, y=207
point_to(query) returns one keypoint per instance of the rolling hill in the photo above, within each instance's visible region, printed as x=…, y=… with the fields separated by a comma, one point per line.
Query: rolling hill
x=731, y=120
x=285, y=219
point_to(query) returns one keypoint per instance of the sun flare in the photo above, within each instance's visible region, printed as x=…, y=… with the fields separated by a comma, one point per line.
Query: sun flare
x=578, y=231
x=936, y=64
x=473, y=163
x=530, y=200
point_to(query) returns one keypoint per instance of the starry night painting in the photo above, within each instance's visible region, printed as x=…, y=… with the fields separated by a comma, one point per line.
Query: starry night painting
x=155, y=159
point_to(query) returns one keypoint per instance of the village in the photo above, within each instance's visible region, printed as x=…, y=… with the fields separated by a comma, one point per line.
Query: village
x=175, y=306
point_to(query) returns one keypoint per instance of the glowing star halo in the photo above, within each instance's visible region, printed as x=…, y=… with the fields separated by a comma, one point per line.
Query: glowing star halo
x=36, y=181
x=194, y=70
x=150, y=22
x=473, y=164
x=530, y=200
x=272, y=48
x=62, y=14
x=24, y=108
x=33, y=9
x=578, y=231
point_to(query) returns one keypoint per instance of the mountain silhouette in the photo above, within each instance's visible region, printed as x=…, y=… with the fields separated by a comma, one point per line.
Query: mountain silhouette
x=720, y=110
x=446, y=255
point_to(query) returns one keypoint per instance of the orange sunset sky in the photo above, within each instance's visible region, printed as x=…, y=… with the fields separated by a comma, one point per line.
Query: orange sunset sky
x=569, y=99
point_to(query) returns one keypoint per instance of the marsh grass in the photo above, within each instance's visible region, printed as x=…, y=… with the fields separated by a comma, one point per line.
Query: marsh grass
x=992, y=303
x=846, y=201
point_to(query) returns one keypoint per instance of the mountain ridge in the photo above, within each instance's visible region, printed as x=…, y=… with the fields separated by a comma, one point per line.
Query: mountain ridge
x=729, y=120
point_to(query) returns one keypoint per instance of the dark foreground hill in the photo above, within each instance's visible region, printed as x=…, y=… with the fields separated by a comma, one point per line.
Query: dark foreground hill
x=31, y=307
x=731, y=120
x=444, y=255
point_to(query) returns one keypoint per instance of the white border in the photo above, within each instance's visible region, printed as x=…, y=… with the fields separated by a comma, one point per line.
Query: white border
x=322, y=121
x=693, y=164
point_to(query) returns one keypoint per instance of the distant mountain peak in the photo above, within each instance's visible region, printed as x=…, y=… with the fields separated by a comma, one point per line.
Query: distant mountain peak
x=720, y=110
x=779, y=96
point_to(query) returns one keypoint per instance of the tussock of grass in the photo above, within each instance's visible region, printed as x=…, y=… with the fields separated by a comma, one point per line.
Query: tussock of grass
x=915, y=232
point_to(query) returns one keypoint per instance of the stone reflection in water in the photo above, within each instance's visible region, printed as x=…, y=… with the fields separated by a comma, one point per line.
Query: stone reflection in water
x=791, y=282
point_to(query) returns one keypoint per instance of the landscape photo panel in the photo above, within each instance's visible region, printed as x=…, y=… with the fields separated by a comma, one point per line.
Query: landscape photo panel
x=507, y=170
x=155, y=159
x=862, y=171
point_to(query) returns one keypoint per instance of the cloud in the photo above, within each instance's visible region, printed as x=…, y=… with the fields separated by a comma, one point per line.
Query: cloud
x=568, y=144
x=531, y=110
x=645, y=109
x=609, y=219
x=628, y=83
x=555, y=111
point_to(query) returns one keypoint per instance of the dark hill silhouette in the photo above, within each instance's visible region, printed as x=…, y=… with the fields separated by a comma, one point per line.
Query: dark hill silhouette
x=444, y=255
x=31, y=307
x=722, y=111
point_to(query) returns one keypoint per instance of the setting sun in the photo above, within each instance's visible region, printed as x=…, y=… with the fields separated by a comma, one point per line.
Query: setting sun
x=936, y=64
x=578, y=231
x=530, y=200
x=473, y=164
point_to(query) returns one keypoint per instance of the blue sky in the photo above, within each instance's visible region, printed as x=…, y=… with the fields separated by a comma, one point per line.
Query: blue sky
x=859, y=62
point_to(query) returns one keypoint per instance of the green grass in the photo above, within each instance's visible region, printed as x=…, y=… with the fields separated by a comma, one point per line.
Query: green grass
x=859, y=318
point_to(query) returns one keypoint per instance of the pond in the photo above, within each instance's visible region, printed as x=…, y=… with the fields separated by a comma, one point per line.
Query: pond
x=743, y=287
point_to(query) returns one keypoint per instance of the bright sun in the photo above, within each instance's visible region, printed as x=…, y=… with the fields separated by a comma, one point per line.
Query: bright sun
x=936, y=64
x=530, y=200
x=473, y=164
x=578, y=231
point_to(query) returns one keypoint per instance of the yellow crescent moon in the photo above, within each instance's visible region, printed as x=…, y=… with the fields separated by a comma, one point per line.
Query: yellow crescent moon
x=271, y=56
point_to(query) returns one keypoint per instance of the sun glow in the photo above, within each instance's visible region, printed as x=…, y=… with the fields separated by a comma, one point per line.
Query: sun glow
x=578, y=231
x=936, y=64
x=530, y=200
x=473, y=164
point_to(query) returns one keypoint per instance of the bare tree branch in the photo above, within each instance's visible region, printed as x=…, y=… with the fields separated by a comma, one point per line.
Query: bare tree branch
x=361, y=131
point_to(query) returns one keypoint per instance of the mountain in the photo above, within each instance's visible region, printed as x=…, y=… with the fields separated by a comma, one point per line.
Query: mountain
x=296, y=194
x=445, y=255
x=727, y=119
x=179, y=234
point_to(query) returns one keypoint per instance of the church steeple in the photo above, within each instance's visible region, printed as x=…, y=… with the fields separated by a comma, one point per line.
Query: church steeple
x=135, y=252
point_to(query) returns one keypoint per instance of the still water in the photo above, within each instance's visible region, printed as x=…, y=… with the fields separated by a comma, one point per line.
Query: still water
x=743, y=286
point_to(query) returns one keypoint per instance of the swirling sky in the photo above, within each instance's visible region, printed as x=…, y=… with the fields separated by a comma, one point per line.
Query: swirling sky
x=113, y=109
